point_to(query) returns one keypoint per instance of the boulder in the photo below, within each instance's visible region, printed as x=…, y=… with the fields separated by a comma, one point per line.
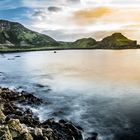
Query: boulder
x=2, y=116
x=27, y=136
x=5, y=133
x=15, y=127
x=94, y=136
x=50, y=134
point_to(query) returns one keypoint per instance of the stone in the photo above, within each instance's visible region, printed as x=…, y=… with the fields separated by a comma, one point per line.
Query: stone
x=49, y=133
x=2, y=116
x=38, y=132
x=5, y=133
x=15, y=127
x=27, y=136
x=93, y=137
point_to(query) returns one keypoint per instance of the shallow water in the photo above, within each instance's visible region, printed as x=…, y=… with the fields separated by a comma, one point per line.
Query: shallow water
x=96, y=89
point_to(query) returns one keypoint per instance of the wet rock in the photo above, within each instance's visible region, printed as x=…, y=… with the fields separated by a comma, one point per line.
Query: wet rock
x=29, y=99
x=21, y=97
x=50, y=134
x=39, y=85
x=74, y=131
x=93, y=137
x=11, y=108
x=58, y=113
x=64, y=129
x=17, y=56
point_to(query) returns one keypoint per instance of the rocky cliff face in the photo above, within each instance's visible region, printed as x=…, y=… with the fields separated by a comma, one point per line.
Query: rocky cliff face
x=15, y=34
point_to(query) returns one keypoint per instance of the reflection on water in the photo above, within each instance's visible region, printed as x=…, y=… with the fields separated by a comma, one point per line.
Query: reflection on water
x=97, y=89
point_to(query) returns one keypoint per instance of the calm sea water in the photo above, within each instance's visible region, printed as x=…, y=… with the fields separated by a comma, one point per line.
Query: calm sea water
x=96, y=89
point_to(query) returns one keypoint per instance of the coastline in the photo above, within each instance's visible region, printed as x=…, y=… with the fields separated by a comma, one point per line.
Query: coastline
x=17, y=121
x=57, y=49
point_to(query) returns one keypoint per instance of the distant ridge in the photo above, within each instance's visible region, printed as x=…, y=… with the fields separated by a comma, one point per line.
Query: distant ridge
x=115, y=41
x=15, y=37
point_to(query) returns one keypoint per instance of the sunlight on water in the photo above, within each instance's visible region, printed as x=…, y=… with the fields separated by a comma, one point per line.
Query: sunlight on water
x=120, y=66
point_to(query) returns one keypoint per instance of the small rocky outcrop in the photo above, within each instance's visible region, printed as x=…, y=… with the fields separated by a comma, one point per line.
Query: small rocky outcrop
x=17, y=123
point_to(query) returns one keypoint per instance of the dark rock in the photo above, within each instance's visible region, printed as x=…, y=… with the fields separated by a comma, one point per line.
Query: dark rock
x=39, y=85
x=93, y=137
x=17, y=56
x=64, y=129
x=58, y=113
x=24, y=125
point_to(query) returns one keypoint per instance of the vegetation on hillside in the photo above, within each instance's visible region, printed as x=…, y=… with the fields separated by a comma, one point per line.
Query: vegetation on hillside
x=15, y=37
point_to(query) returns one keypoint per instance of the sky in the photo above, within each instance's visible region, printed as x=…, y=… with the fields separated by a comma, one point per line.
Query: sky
x=68, y=20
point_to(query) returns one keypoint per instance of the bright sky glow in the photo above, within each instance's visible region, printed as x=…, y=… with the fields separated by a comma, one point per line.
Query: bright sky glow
x=73, y=19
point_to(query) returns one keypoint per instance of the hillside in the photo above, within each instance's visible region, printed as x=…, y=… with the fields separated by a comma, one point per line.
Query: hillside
x=15, y=37
x=117, y=41
x=84, y=43
x=13, y=34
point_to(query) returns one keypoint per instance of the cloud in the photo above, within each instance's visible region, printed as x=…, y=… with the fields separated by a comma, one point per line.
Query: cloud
x=72, y=23
x=72, y=19
x=54, y=9
x=87, y=16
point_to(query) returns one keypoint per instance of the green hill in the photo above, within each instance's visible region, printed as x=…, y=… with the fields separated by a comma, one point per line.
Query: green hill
x=117, y=41
x=84, y=43
x=13, y=34
x=16, y=37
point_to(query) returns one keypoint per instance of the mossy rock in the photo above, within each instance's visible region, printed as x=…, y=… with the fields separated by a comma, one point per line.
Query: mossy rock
x=15, y=127
x=5, y=133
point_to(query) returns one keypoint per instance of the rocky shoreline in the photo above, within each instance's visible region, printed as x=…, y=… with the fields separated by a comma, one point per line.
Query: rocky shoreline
x=19, y=123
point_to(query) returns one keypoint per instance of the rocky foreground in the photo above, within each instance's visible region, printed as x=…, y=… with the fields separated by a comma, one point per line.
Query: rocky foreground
x=19, y=123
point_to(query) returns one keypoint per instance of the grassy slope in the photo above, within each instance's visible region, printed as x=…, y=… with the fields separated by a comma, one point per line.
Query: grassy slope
x=17, y=34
